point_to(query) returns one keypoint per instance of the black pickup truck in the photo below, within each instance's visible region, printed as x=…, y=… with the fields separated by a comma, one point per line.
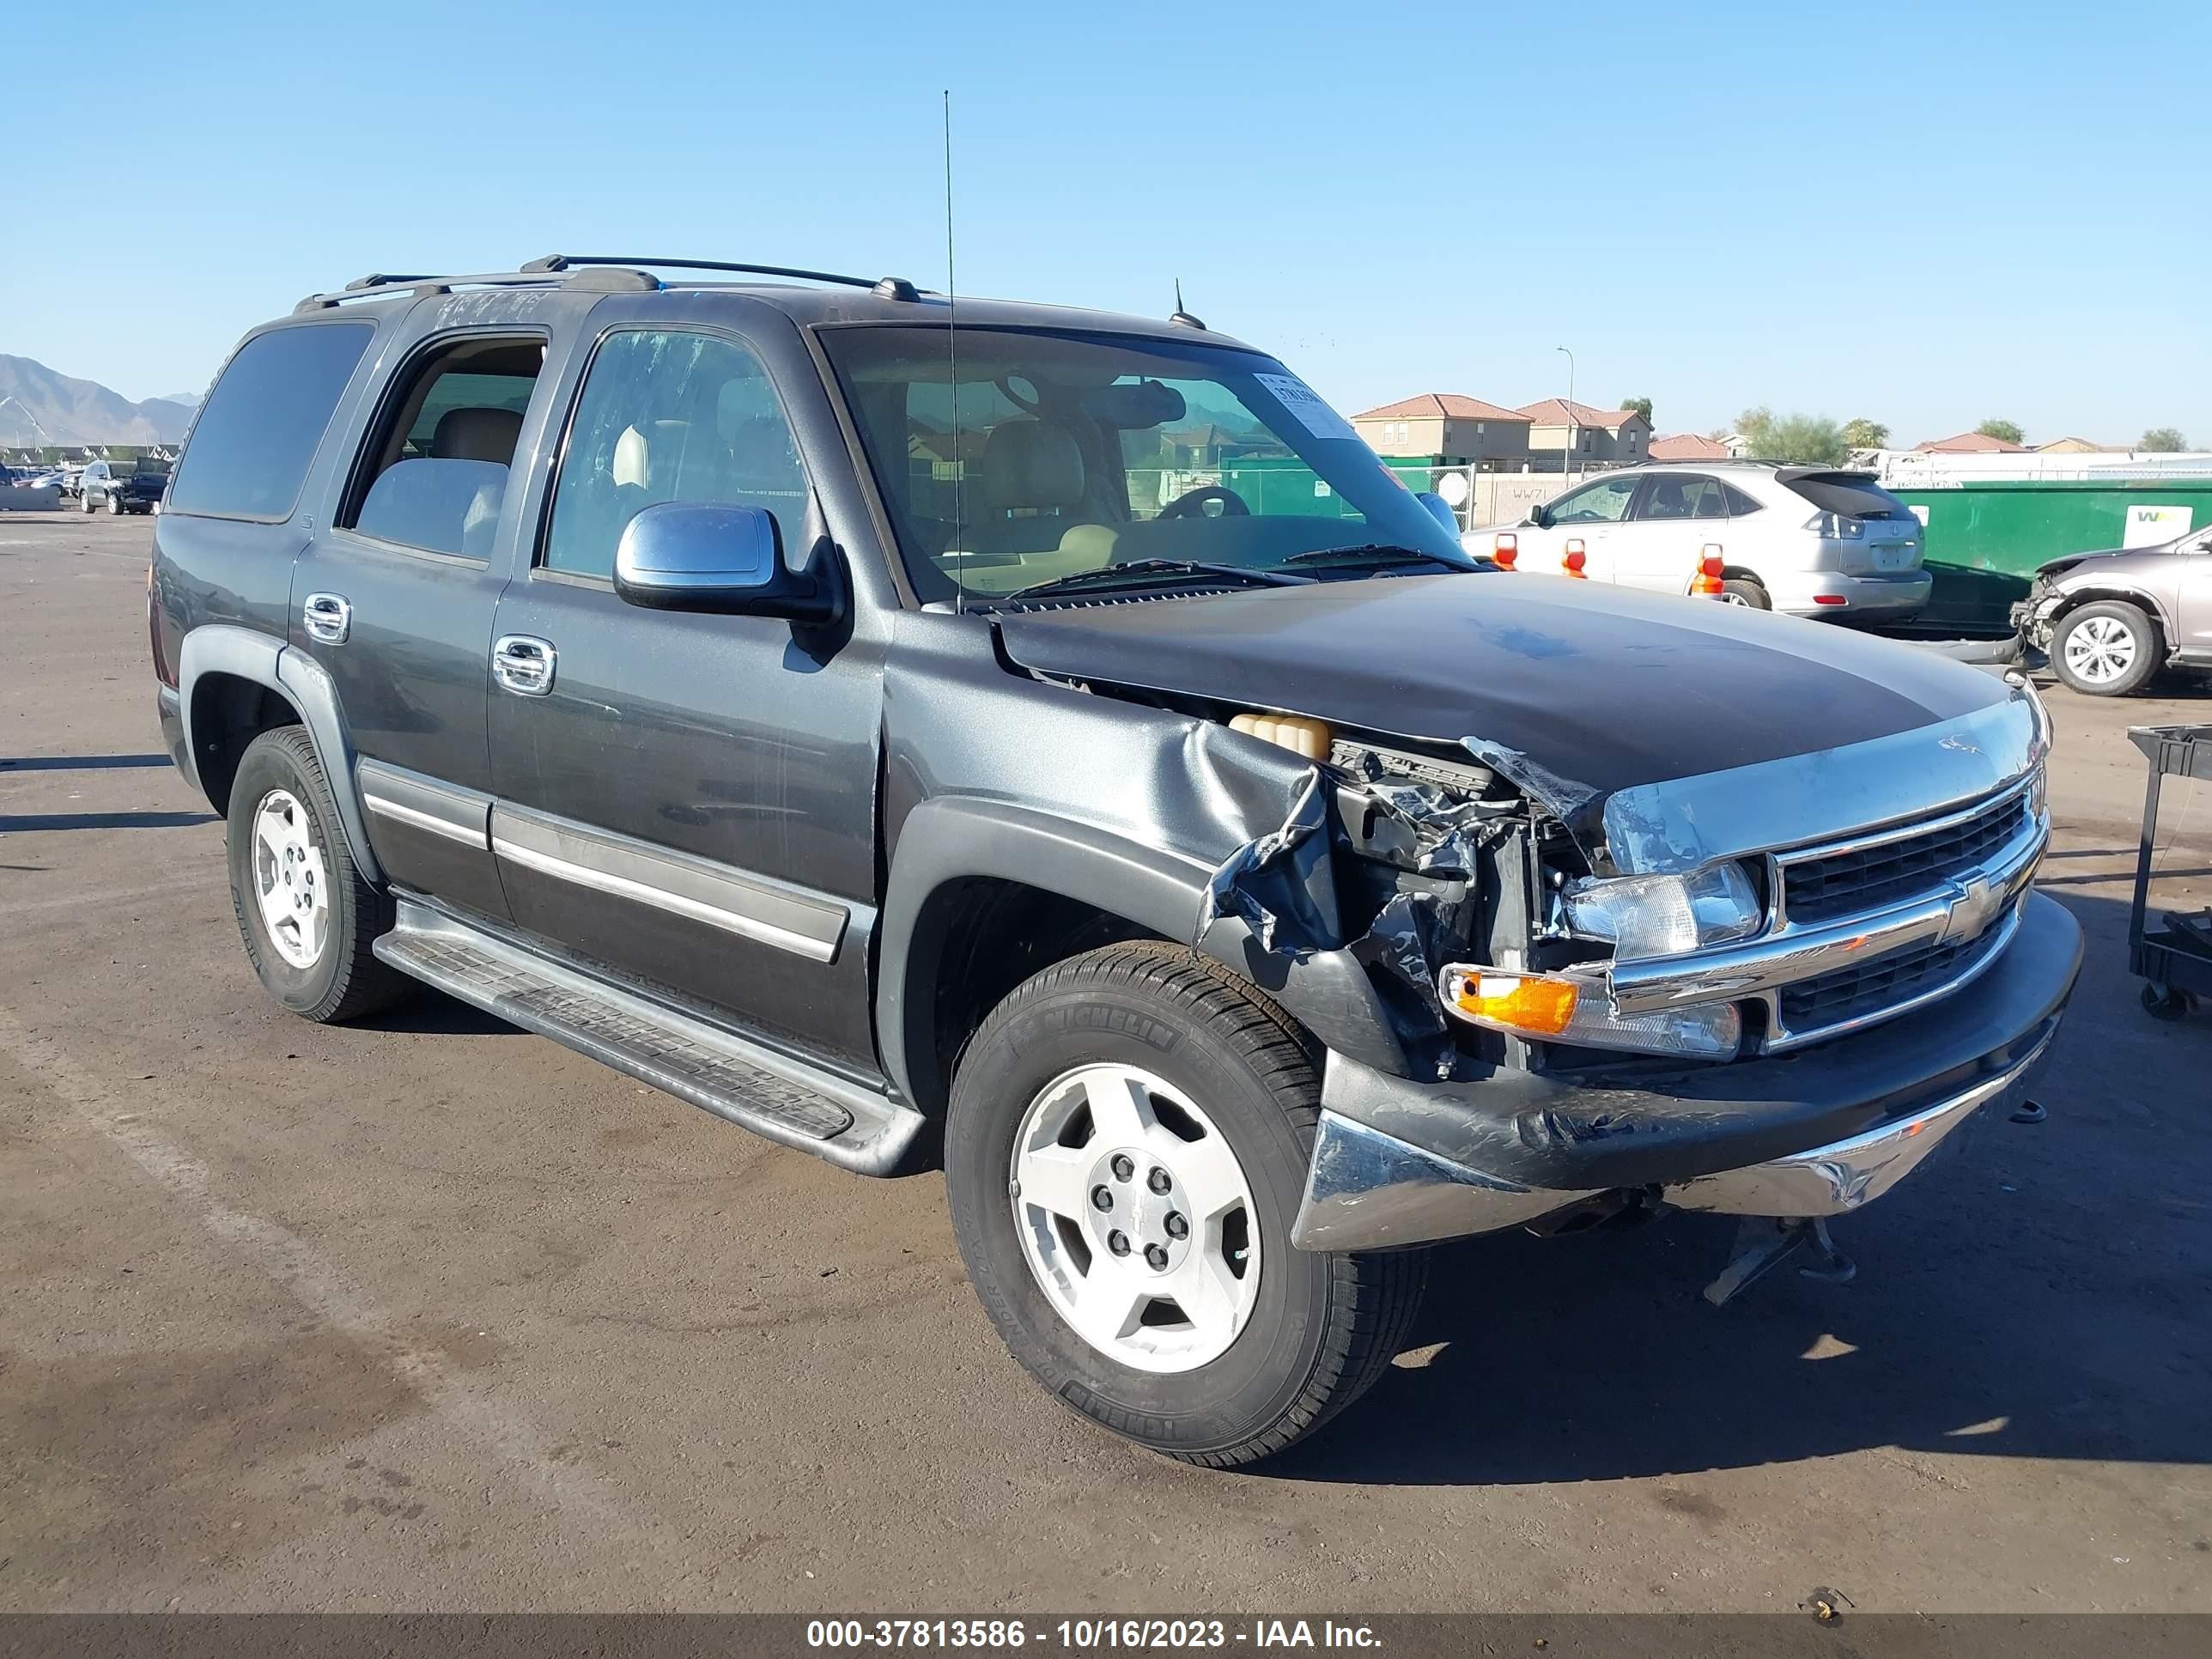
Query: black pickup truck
x=1053, y=742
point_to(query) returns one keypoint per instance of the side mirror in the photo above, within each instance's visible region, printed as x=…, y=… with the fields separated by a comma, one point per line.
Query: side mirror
x=1538, y=516
x=1439, y=509
x=704, y=556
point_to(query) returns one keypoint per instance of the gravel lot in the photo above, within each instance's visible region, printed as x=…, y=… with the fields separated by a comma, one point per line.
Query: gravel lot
x=435, y=1315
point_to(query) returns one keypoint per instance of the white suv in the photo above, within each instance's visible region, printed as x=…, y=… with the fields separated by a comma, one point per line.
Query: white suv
x=1808, y=540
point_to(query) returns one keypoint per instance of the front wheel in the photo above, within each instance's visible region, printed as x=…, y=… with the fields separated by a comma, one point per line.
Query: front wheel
x=1125, y=1154
x=115, y=506
x=2106, y=649
x=306, y=915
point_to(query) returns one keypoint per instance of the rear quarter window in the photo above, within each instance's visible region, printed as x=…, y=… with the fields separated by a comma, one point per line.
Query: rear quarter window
x=249, y=449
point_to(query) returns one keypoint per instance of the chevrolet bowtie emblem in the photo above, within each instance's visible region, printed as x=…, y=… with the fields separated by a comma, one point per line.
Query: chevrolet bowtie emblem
x=1975, y=908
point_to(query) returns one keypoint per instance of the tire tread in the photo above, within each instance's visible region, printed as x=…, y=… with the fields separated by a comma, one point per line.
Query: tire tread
x=1377, y=1295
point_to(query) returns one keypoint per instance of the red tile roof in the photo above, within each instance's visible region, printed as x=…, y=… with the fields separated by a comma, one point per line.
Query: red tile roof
x=1430, y=404
x=1557, y=411
x=1687, y=446
x=1969, y=443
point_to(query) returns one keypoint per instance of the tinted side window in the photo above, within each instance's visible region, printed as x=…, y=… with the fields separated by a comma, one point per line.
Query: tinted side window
x=1672, y=496
x=252, y=445
x=667, y=415
x=1739, y=504
x=1603, y=502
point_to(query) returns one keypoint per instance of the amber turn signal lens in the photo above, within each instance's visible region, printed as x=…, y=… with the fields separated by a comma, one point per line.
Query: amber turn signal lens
x=1542, y=1007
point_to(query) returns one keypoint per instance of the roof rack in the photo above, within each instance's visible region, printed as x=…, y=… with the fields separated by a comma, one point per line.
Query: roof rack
x=889, y=287
x=591, y=272
x=379, y=285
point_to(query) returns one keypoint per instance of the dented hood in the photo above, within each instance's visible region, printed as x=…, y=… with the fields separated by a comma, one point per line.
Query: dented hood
x=1607, y=688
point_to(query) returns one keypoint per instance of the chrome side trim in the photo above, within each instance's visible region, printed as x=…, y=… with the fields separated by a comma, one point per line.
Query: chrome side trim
x=1841, y=1177
x=426, y=804
x=744, y=905
x=1674, y=827
x=380, y=807
x=1366, y=1190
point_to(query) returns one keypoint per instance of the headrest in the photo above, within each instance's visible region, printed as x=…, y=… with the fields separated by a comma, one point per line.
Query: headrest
x=650, y=456
x=477, y=434
x=1028, y=464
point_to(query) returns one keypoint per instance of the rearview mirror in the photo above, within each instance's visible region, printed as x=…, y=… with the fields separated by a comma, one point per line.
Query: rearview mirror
x=705, y=555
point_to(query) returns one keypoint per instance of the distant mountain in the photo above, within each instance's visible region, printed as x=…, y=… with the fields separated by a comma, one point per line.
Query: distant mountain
x=37, y=406
x=189, y=399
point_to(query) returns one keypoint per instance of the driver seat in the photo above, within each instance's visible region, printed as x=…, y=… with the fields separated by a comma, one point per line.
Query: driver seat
x=1034, y=470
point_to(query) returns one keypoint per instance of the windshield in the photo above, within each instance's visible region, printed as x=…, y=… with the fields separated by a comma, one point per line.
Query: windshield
x=1065, y=454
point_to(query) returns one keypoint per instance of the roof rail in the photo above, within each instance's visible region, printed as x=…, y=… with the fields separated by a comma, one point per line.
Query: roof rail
x=379, y=284
x=889, y=287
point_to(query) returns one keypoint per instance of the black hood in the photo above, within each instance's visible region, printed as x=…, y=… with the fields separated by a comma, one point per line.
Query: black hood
x=1603, y=687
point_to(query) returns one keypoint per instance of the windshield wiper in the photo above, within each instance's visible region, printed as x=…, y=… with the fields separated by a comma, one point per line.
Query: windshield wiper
x=1140, y=573
x=1376, y=554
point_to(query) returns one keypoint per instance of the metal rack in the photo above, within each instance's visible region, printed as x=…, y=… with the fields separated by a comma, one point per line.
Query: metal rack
x=2175, y=959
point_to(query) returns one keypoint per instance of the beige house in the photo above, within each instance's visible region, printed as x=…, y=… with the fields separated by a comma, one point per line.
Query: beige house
x=1450, y=430
x=2077, y=446
x=1596, y=437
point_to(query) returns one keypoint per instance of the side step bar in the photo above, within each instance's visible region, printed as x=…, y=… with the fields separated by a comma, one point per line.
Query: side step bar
x=785, y=1100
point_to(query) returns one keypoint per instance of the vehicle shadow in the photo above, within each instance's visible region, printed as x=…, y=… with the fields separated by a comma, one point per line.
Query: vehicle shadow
x=2039, y=1291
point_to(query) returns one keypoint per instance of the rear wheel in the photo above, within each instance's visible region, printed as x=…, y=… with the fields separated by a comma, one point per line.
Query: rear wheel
x=84, y=501
x=1125, y=1154
x=1745, y=590
x=2106, y=649
x=308, y=917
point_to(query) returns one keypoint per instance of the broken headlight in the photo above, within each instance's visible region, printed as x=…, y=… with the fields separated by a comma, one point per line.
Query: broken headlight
x=1664, y=915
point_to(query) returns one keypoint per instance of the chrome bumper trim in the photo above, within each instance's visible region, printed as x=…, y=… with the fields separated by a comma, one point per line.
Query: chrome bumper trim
x=1836, y=1179
x=1366, y=1190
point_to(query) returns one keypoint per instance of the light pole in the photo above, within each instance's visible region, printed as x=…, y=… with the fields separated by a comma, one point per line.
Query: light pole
x=1567, y=461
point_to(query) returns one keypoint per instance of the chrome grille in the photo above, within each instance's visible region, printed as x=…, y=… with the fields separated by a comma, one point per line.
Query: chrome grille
x=1850, y=993
x=1870, y=876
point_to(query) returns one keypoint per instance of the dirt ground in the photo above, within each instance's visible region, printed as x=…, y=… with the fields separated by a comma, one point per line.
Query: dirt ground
x=433, y=1314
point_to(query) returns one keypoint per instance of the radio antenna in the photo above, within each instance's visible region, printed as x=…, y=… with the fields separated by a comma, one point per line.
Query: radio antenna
x=952, y=361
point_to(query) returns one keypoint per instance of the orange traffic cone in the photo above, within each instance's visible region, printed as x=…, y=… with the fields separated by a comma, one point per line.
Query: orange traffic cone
x=1574, y=559
x=1505, y=548
x=1707, y=581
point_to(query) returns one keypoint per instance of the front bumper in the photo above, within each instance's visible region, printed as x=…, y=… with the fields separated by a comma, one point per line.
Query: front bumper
x=1799, y=593
x=1814, y=1132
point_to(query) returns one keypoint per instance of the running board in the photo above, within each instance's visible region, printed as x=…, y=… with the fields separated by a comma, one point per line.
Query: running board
x=775, y=1095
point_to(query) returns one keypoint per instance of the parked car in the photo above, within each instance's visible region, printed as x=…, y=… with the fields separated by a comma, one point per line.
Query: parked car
x=136, y=489
x=677, y=668
x=1806, y=540
x=2112, y=618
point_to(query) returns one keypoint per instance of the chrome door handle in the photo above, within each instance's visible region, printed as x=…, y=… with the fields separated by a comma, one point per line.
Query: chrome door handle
x=327, y=618
x=524, y=665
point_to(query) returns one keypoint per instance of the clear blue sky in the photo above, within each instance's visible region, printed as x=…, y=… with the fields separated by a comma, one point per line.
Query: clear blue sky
x=1926, y=214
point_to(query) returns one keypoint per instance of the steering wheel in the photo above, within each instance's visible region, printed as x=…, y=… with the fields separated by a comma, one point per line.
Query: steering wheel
x=1190, y=503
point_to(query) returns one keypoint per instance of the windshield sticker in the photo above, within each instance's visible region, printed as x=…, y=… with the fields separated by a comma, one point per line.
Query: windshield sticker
x=1302, y=404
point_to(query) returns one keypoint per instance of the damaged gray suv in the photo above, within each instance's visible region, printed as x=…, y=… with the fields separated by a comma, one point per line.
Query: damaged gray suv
x=1055, y=739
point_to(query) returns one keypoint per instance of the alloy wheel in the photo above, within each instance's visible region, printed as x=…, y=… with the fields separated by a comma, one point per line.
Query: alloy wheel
x=289, y=884
x=2101, y=649
x=1136, y=1217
